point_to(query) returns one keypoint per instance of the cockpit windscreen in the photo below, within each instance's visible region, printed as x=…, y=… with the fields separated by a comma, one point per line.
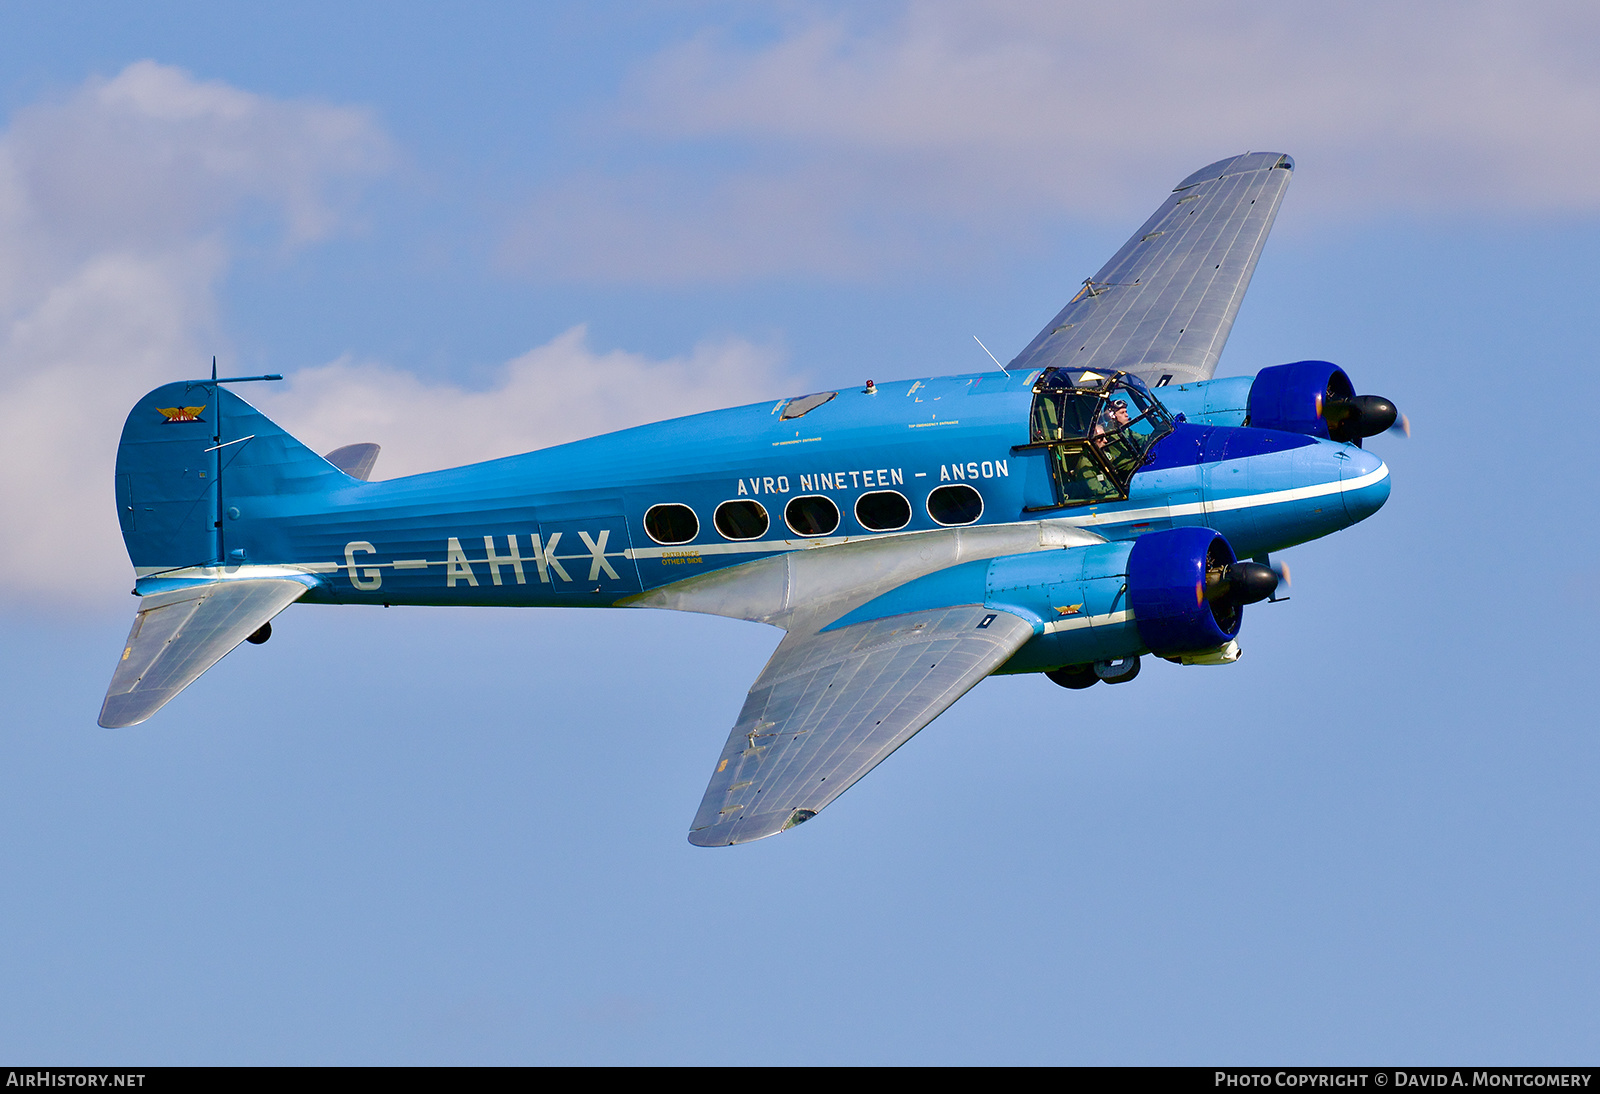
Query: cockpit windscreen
x=1099, y=425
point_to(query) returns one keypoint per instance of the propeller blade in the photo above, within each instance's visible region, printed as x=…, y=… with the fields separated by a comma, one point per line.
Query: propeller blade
x=1401, y=426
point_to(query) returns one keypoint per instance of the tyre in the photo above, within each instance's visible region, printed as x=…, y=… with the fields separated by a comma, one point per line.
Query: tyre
x=1075, y=677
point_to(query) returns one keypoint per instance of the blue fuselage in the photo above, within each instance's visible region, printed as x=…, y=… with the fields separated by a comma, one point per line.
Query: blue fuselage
x=565, y=526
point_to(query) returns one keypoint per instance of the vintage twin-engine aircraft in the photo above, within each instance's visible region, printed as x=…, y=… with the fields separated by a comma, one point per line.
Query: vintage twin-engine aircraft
x=1093, y=501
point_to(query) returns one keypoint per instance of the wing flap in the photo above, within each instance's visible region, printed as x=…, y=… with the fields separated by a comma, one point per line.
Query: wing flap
x=178, y=635
x=1163, y=307
x=830, y=707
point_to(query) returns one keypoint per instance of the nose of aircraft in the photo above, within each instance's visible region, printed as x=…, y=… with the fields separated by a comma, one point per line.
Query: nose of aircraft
x=1365, y=479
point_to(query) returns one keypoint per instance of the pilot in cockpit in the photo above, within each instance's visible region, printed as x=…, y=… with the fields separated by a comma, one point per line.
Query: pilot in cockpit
x=1118, y=414
x=1114, y=418
x=1111, y=434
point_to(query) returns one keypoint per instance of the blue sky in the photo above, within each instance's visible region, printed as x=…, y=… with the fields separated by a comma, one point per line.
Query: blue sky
x=430, y=836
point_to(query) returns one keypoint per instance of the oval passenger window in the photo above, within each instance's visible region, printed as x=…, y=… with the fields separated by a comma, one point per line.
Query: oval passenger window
x=955, y=504
x=671, y=523
x=883, y=511
x=741, y=520
x=812, y=515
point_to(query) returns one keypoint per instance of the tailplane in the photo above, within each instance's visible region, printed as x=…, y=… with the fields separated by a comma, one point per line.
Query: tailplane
x=177, y=635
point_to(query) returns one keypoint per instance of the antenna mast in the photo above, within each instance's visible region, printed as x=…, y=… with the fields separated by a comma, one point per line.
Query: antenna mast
x=992, y=357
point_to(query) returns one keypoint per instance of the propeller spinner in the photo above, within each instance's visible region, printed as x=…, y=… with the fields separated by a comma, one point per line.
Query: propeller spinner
x=1352, y=417
x=1241, y=583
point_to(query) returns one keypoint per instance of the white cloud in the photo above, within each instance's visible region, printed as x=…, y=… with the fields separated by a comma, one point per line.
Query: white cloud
x=561, y=391
x=114, y=208
x=961, y=121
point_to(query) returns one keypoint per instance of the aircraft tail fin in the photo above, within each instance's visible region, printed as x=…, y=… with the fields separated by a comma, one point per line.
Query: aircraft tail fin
x=199, y=470
x=178, y=635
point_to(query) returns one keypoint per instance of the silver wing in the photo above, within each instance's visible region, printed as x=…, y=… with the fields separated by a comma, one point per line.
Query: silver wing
x=176, y=636
x=830, y=706
x=1163, y=306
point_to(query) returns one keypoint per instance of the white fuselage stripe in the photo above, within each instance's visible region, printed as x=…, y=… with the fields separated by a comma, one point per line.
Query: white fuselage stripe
x=1223, y=505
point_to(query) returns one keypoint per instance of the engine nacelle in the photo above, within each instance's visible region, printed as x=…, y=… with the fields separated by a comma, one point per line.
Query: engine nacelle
x=1291, y=397
x=1174, y=578
x=1316, y=398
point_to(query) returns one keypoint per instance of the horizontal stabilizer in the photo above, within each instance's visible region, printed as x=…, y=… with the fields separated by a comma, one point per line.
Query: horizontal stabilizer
x=176, y=636
x=355, y=460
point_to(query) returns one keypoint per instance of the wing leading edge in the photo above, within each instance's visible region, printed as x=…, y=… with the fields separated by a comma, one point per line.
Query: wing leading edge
x=1163, y=306
x=831, y=706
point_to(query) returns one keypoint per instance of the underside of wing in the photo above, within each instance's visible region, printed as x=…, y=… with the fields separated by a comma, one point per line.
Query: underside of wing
x=177, y=635
x=1163, y=306
x=830, y=706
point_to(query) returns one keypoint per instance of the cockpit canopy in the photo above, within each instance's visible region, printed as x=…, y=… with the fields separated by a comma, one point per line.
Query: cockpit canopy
x=1098, y=427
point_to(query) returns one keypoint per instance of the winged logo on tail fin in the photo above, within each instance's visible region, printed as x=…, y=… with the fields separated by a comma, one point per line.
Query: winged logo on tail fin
x=181, y=413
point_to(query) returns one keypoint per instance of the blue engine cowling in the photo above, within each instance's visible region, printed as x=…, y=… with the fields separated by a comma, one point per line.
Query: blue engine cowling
x=1167, y=590
x=1317, y=399
x=1291, y=397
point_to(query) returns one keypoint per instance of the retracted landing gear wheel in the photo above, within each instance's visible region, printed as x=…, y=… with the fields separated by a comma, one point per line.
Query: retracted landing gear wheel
x=1119, y=671
x=261, y=635
x=1075, y=677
